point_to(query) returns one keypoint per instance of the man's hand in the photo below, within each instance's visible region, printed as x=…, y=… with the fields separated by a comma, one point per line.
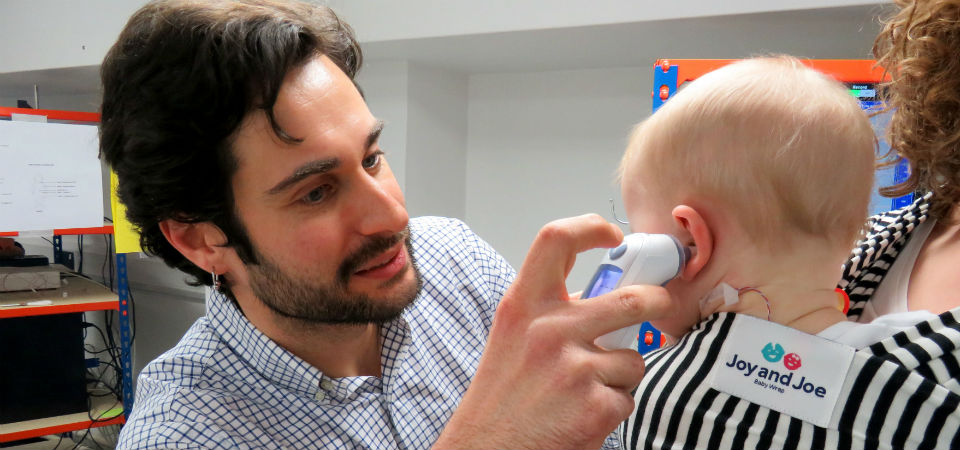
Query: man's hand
x=542, y=382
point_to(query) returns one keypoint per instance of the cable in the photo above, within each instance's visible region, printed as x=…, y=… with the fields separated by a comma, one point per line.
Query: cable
x=24, y=281
x=79, y=275
x=111, y=256
x=116, y=355
x=108, y=380
x=112, y=388
x=113, y=263
x=114, y=352
x=103, y=266
x=80, y=253
x=95, y=352
x=132, y=315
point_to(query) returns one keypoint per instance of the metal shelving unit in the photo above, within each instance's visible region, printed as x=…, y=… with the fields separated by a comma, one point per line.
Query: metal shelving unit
x=78, y=295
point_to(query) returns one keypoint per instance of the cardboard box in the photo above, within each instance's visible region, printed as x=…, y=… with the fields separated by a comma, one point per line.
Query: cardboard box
x=28, y=278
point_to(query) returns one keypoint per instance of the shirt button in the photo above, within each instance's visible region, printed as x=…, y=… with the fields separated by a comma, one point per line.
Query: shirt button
x=326, y=385
x=319, y=396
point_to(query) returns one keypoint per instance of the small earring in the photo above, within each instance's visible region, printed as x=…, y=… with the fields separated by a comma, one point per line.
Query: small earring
x=216, y=280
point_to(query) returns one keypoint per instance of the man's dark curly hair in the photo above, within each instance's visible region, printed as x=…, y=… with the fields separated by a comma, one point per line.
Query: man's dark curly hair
x=176, y=86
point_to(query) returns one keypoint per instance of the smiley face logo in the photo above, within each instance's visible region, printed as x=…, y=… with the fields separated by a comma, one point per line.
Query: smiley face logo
x=791, y=361
x=772, y=352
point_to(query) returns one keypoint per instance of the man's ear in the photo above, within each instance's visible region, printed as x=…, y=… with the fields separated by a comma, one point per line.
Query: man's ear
x=201, y=243
x=697, y=235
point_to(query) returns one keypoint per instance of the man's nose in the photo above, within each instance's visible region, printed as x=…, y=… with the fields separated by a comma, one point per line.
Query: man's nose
x=381, y=208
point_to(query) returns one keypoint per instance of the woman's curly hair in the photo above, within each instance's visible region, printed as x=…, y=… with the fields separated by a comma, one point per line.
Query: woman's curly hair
x=919, y=48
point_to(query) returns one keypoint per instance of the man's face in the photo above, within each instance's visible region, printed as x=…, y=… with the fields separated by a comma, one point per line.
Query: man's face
x=325, y=216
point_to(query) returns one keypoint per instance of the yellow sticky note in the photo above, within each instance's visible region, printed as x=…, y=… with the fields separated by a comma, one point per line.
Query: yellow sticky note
x=126, y=238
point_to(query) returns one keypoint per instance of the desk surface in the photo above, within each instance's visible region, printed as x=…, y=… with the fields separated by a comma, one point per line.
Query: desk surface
x=76, y=294
x=106, y=410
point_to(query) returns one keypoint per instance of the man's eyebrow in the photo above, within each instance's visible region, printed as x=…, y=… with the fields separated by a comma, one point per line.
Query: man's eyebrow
x=311, y=168
x=374, y=134
x=324, y=165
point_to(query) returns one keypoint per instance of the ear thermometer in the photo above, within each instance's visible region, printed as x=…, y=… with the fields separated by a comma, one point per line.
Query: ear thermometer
x=641, y=259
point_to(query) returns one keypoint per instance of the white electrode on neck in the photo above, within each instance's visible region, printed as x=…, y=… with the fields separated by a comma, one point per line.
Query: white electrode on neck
x=729, y=294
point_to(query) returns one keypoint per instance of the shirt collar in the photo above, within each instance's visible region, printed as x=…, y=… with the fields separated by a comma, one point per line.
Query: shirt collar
x=289, y=371
x=264, y=356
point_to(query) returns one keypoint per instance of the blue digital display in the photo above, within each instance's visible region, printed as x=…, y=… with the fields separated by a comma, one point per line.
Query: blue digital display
x=888, y=175
x=603, y=281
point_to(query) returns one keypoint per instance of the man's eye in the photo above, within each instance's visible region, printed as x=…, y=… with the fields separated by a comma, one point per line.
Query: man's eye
x=317, y=194
x=372, y=161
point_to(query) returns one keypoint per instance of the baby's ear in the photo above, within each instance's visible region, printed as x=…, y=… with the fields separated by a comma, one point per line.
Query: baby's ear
x=697, y=235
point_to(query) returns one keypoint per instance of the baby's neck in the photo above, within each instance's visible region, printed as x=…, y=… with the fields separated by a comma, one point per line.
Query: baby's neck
x=808, y=309
x=797, y=294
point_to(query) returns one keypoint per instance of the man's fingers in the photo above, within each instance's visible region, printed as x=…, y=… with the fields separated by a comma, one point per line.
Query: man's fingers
x=555, y=249
x=621, y=308
x=621, y=369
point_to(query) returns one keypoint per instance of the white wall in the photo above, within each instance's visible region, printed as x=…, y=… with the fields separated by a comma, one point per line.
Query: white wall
x=45, y=34
x=425, y=136
x=384, y=20
x=88, y=102
x=436, y=142
x=384, y=85
x=544, y=146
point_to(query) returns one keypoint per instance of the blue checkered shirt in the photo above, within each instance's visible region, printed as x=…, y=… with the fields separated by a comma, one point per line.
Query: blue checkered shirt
x=225, y=385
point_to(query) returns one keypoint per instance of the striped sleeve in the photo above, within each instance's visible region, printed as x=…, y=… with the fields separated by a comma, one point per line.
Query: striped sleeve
x=885, y=236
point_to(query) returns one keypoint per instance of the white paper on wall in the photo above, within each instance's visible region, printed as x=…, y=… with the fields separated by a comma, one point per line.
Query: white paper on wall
x=49, y=176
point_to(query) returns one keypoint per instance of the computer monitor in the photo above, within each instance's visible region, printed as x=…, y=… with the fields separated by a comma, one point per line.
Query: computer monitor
x=888, y=174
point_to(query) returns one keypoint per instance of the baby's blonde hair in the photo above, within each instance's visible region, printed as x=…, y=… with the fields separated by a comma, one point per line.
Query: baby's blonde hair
x=784, y=147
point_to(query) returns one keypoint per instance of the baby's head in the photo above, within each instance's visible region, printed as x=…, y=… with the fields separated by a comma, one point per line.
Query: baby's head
x=760, y=159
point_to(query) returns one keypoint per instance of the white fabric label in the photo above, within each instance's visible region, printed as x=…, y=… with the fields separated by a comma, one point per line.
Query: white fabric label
x=783, y=369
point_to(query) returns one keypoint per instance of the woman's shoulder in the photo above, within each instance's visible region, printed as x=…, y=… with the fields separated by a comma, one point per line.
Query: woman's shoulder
x=884, y=237
x=887, y=229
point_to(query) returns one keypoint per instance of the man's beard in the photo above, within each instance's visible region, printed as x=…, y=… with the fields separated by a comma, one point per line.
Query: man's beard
x=314, y=301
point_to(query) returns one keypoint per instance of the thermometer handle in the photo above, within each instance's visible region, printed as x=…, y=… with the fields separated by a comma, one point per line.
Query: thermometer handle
x=641, y=259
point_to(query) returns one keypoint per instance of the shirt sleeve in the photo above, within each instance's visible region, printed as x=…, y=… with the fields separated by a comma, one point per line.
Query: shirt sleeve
x=613, y=441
